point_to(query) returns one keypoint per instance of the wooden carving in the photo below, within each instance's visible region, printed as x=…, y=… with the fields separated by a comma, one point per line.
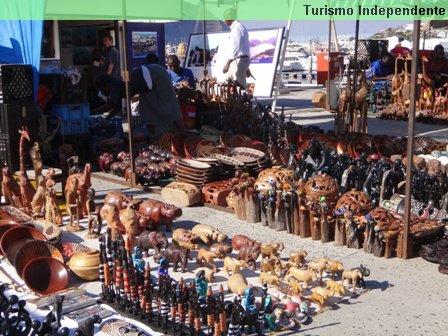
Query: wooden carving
x=83, y=183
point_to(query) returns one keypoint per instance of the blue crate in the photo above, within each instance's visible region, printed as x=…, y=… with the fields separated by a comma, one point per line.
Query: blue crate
x=102, y=128
x=75, y=118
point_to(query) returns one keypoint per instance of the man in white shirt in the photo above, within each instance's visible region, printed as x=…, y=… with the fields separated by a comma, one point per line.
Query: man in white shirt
x=237, y=65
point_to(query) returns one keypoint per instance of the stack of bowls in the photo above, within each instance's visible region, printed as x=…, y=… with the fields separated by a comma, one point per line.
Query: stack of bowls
x=195, y=172
x=37, y=262
x=254, y=160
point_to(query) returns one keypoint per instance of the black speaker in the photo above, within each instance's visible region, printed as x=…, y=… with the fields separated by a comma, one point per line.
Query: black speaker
x=16, y=83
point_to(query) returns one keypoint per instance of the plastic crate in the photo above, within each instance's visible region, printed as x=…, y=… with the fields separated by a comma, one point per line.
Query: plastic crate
x=100, y=128
x=14, y=116
x=9, y=153
x=64, y=92
x=75, y=118
x=16, y=83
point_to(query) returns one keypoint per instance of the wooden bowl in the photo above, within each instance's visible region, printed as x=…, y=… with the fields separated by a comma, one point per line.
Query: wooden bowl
x=17, y=233
x=3, y=229
x=30, y=250
x=85, y=265
x=45, y=275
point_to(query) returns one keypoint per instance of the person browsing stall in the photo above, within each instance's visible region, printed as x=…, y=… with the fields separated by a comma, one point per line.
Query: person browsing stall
x=383, y=69
x=158, y=106
x=114, y=89
x=112, y=61
x=237, y=65
x=438, y=65
x=179, y=74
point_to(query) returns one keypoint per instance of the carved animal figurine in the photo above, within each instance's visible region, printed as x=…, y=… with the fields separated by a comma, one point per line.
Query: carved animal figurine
x=88, y=327
x=294, y=286
x=208, y=233
x=268, y=265
x=130, y=220
x=83, y=184
x=10, y=189
x=94, y=216
x=110, y=214
x=208, y=257
x=177, y=255
x=153, y=239
x=345, y=97
x=333, y=267
x=396, y=82
x=249, y=254
x=118, y=198
x=338, y=289
x=318, y=266
x=324, y=292
x=38, y=202
x=241, y=240
x=185, y=238
x=52, y=211
x=36, y=159
x=318, y=299
x=105, y=160
x=361, y=103
x=281, y=265
x=27, y=191
x=272, y=280
x=234, y=265
x=154, y=213
x=222, y=248
x=353, y=276
x=297, y=259
x=301, y=275
x=237, y=284
x=271, y=249
x=209, y=273
x=72, y=197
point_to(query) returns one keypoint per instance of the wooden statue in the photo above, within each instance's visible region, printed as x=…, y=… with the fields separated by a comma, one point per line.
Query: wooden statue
x=110, y=213
x=52, y=212
x=83, y=183
x=36, y=159
x=11, y=189
x=38, y=202
x=361, y=104
x=129, y=218
x=72, y=196
x=26, y=189
x=397, y=82
x=94, y=216
x=406, y=87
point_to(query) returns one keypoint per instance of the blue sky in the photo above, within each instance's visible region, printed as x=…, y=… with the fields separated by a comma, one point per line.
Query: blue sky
x=304, y=30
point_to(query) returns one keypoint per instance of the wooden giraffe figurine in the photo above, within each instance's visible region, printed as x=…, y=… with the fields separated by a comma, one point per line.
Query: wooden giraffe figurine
x=26, y=189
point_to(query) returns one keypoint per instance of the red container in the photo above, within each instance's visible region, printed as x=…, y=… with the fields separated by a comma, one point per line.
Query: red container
x=336, y=65
x=188, y=115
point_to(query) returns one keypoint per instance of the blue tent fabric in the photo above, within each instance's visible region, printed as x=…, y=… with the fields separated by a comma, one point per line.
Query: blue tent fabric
x=20, y=40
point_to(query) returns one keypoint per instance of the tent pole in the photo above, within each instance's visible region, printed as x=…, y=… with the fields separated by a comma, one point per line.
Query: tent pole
x=406, y=248
x=351, y=121
x=204, y=41
x=282, y=58
x=125, y=75
x=327, y=103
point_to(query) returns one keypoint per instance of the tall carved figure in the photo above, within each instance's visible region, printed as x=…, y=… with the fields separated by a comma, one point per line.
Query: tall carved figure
x=83, y=183
x=26, y=189
x=10, y=189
